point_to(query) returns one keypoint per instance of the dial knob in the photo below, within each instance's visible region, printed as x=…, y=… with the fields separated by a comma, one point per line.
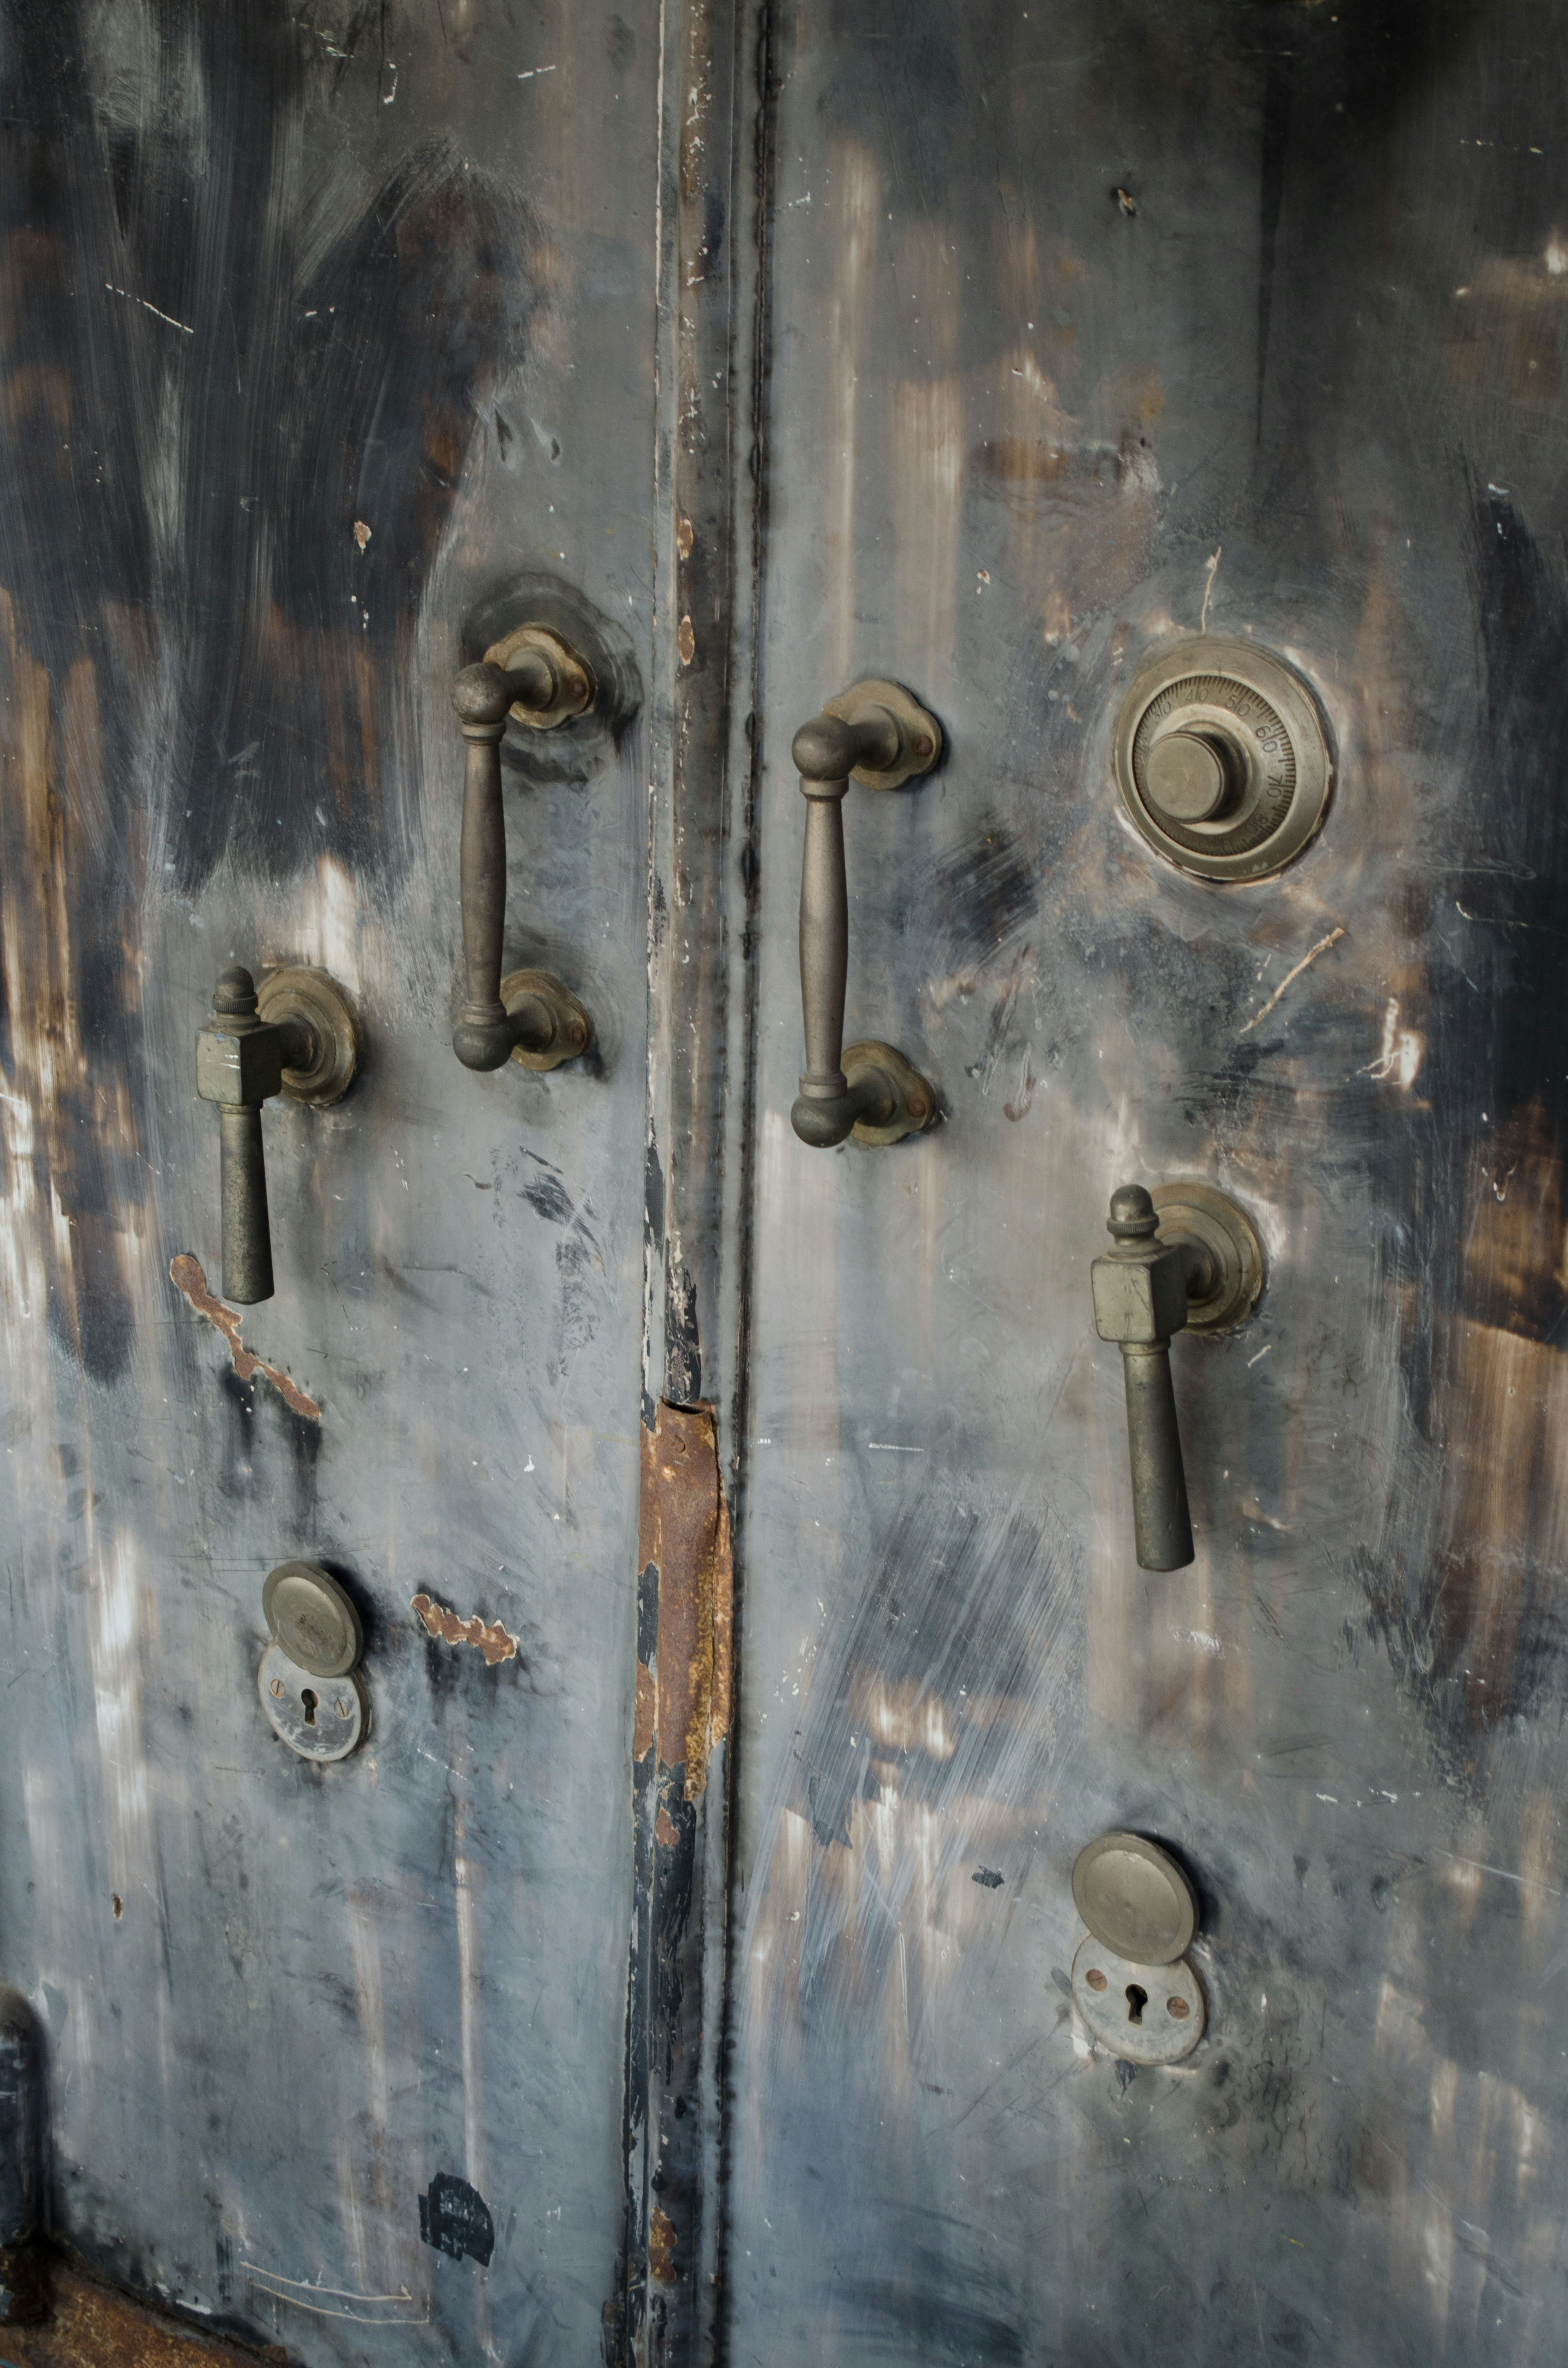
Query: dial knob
x=1222, y=757
x=1195, y=776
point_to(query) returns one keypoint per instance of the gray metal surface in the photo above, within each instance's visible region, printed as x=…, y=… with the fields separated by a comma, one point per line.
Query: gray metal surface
x=995, y=353
x=1094, y=326
x=321, y=331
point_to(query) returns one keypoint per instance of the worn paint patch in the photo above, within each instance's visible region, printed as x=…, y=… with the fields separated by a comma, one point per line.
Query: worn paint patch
x=683, y=1532
x=647, y=1712
x=662, y=2247
x=493, y=1641
x=186, y=1274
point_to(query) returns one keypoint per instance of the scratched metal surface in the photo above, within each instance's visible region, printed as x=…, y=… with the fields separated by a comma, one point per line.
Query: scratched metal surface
x=1012, y=421
x=268, y=274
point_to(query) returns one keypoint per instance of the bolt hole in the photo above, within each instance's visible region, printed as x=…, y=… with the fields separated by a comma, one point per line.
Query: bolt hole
x=309, y=1699
x=119, y=1905
x=1178, y=2007
x=1137, y=2000
x=1095, y=1978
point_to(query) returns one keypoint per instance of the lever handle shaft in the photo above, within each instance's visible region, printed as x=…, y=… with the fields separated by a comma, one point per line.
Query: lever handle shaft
x=1161, y=1521
x=247, y=1238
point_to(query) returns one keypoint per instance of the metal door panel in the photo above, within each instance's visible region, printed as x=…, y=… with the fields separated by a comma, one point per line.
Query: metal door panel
x=270, y=281
x=1091, y=325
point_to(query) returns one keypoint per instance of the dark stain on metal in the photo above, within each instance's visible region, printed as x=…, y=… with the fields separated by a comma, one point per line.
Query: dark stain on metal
x=455, y=2219
x=188, y=1280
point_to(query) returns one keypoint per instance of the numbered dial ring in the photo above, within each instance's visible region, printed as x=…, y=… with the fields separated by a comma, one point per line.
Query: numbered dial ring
x=1222, y=758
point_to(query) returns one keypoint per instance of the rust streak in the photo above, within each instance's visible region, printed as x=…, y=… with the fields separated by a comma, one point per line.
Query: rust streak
x=662, y=2248
x=493, y=1641
x=666, y=1833
x=186, y=1274
x=683, y=1532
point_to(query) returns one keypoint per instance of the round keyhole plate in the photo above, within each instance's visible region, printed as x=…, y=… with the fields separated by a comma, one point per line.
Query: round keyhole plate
x=1170, y=2021
x=1233, y=696
x=341, y=1711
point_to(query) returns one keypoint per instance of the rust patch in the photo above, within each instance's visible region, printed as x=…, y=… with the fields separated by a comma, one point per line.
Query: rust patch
x=665, y=1831
x=684, y=1530
x=186, y=1274
x=647, y=1712
x=662, y=2248
x=91, y=2327
x=686, y=641
x=493, y=1641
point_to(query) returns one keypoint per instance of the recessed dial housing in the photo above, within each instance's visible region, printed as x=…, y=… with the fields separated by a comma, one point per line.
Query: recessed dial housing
x=1222, y=758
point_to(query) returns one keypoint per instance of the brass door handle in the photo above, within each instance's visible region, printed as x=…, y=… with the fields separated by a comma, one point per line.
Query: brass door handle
x=1185, y=1258
x=297, y=1036
x=875, y=735
x=528, y=1017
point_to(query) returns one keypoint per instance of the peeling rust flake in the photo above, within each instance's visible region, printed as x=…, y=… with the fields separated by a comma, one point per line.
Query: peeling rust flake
x=186, y=1274
x=662, y=2248
x=684, y=1532
x=493, y=1641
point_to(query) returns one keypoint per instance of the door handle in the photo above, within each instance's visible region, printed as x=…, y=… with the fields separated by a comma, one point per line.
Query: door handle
x=1186, y=1258
x=877, y=735
x=529, y=1016
x=298, y=1037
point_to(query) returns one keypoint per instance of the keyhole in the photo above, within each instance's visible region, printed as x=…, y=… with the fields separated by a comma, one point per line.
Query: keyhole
x=309, y=1699
x=1137, y=2000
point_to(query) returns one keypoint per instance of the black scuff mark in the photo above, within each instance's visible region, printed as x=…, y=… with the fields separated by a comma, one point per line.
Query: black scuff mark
x=455, y=2219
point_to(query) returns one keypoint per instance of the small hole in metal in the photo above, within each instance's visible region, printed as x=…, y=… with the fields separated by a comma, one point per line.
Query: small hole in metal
x=1137, y=2000
x=309, y=1699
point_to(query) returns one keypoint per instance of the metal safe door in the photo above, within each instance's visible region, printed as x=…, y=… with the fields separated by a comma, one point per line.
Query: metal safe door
x=329, y=359
x=1092, y=328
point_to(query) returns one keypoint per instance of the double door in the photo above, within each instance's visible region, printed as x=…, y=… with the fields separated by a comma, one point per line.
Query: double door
x=686, y=1964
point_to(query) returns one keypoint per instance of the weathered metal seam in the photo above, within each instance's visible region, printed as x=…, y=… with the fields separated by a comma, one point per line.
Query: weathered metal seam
x=753, y=486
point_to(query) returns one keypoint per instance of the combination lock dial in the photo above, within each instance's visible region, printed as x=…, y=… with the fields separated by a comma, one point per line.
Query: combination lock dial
x=1222, y=758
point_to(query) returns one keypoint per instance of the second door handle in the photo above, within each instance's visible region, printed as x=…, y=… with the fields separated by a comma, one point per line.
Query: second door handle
x=877, y=735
